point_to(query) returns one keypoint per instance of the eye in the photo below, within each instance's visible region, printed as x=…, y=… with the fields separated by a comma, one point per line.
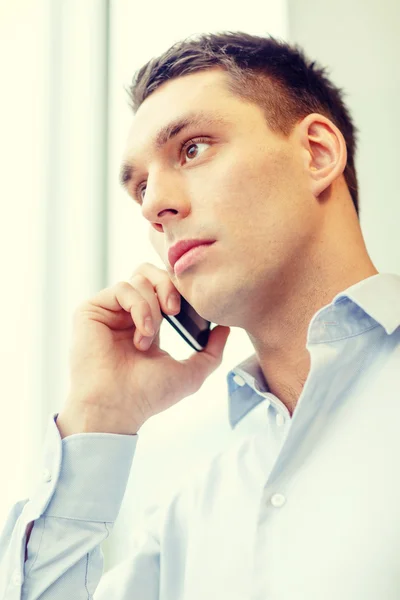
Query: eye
x=139, y=190
x=192, y=143
x=187, y=145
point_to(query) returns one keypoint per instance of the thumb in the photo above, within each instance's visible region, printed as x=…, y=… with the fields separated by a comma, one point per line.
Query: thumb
x=202, y=364
x=216, y=344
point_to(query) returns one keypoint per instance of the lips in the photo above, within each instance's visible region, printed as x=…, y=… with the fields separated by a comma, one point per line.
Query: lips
x=176, y=251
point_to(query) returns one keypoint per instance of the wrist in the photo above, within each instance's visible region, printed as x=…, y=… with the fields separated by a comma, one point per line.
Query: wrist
x=94, y=419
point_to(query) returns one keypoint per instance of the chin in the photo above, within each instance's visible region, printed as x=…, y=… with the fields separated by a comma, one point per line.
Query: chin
x=217, y=315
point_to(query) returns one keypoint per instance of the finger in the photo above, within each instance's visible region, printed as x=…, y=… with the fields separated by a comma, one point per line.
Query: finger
x=121, y=306
x=150, y=323
x=162, y=285
x=202, y=364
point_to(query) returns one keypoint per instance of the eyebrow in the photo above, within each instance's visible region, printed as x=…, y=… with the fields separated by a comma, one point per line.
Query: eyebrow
x=169, y=131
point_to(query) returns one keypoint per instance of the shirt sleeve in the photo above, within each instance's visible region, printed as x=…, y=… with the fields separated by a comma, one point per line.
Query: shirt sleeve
x=74, y=507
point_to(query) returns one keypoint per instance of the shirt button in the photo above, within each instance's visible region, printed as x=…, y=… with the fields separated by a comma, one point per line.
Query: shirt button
x=46, y=475
x=239, y=380
x=280, y=420
x=278, y=500
x=16, y=578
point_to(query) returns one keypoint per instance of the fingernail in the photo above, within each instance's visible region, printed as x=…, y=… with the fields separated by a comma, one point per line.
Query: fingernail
x=173, y=302
x=145, y=343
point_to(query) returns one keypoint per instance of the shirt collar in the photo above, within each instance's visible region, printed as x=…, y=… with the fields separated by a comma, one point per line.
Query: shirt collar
x=379, y=297
x=373, y=300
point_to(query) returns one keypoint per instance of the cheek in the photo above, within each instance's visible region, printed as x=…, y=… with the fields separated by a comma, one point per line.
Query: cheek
x=232, y=177
x=250, y=180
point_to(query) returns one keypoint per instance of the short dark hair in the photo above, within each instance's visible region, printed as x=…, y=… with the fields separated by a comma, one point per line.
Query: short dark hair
x=268, y=72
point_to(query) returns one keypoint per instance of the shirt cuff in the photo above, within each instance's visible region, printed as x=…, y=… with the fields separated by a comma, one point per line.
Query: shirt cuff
x=84, y=475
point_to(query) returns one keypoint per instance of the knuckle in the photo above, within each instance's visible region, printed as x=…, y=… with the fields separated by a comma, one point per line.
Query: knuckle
x=135, y=271
x=123, y=285
x=126, y=290
x=148, y=265
x=139, y=278
x=141, y=304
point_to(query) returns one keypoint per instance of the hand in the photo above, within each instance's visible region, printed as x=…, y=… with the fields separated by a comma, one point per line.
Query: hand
x=120, y=376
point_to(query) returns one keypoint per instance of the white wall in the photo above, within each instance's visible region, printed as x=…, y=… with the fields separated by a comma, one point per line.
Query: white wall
x=173, y=442
x=360, y=43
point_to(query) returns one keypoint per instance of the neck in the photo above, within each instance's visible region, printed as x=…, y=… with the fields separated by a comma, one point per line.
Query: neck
x=280, y=339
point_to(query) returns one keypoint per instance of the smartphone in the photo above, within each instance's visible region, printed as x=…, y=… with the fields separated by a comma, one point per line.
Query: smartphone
x=190, y=325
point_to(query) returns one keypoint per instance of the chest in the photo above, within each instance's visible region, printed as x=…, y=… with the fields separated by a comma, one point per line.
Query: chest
x=327, y=525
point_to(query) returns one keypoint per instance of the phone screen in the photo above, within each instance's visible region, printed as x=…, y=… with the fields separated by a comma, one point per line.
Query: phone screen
x=190, y=325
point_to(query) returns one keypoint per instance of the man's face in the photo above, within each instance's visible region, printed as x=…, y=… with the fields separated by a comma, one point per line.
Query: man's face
x=241, y=185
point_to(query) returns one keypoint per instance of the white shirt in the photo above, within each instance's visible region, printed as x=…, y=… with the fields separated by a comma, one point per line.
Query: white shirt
x=301, y=508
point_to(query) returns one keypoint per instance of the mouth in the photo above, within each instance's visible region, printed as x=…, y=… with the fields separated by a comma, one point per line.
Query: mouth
x=180, y=248
x=191, y=256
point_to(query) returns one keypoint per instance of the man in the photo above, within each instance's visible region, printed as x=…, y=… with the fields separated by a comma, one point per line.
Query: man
x=240, y=143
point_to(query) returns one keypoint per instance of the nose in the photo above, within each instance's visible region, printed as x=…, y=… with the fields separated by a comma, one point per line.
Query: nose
x=164, y=200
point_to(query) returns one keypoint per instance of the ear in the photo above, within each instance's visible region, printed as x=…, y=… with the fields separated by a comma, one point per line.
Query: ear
x=324, y=150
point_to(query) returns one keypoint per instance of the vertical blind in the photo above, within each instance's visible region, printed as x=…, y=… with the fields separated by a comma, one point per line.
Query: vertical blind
x=54, y=250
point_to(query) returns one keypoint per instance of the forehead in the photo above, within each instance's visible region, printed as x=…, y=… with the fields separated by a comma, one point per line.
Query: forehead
x=202, y=92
